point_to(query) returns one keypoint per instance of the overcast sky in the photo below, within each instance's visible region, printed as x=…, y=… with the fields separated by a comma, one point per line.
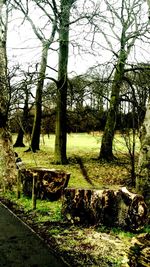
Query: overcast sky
x=24, y=48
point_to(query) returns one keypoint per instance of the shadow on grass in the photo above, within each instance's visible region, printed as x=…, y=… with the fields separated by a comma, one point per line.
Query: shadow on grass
x=84, y=170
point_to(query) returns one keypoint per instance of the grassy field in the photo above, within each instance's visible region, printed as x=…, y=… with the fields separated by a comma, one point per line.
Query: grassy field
x=86, y=147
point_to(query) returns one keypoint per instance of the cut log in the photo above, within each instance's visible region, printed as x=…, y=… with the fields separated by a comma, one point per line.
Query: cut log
x=132, y=210
x=50, y=182
x=139, y=253
x=111, y=208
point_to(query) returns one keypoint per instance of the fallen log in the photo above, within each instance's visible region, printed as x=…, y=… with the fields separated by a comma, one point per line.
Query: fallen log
x=108, y=207
x=50, y=183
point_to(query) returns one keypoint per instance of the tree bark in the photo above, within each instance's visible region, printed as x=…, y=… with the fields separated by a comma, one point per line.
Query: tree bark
x=23, y=126
x=148, y=2
x=35, y=138
x=106, y=151
x=19, y=140
x=143, y=177
x=8, y=170
x=61, y=131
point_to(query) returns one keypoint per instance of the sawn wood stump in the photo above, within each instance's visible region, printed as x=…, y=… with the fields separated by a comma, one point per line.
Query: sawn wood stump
x=49, y=183
x=119, y=208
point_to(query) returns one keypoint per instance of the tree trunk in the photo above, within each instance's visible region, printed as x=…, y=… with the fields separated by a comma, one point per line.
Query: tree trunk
x=19, y=140
x=148, y=2
x=109, y=131
x=23, y=126
x=143, y=178
x=61, y=131
x=8, y=168
x=35, y=138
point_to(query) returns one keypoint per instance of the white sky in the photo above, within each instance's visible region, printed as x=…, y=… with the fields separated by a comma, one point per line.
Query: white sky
x=24, y=48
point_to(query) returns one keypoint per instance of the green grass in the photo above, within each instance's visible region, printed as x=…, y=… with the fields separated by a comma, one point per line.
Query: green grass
x=117, y=232
x=45, y=210
x=82, y=144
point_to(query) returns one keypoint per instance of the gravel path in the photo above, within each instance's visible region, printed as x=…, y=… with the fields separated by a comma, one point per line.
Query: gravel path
x=20, y=246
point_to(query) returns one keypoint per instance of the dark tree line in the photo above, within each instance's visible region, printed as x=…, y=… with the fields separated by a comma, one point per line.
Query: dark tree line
x=87, y=104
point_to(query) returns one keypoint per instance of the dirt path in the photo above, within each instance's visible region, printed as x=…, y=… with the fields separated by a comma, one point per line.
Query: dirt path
x=19, y=245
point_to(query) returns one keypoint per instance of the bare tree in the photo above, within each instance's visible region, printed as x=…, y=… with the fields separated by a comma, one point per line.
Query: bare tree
x=128, y=16
x=23, y=118
x=46, y=43
x=61, y=131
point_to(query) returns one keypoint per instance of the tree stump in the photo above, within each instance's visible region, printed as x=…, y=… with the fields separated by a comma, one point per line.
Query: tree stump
x=50, y=182
x=108, y=207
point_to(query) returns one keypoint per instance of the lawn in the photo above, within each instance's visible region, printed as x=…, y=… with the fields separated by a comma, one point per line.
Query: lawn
x=86, y=147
